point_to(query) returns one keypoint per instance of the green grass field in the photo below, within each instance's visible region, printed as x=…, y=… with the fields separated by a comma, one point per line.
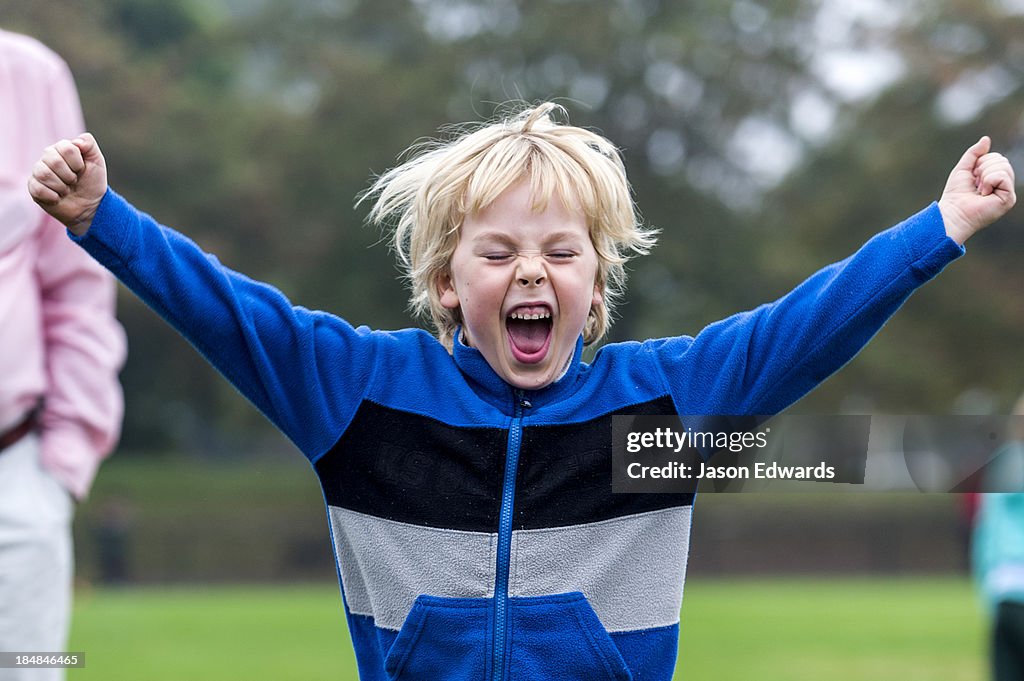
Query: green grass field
x=784, y=630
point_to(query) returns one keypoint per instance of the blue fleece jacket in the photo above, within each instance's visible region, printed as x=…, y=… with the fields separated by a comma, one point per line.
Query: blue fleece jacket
x=474, y=526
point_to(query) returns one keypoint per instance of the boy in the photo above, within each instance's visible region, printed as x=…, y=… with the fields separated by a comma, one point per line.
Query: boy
x=468, y=481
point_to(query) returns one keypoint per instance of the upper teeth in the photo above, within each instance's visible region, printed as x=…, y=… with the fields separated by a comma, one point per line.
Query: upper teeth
x=520, y=315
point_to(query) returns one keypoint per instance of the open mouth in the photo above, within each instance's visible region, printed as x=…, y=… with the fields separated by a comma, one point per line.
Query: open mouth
x=529, y=332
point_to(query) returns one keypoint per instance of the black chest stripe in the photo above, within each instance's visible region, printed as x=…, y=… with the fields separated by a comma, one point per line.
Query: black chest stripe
x=409, y=468
x=412, y=469
x=565, y=474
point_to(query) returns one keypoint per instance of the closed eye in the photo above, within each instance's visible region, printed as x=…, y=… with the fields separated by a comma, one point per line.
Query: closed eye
x=497, y=257
x=562, y=255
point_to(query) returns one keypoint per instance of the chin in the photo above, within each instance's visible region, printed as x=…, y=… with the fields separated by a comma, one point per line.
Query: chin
x=531, y=383
x=533, y=377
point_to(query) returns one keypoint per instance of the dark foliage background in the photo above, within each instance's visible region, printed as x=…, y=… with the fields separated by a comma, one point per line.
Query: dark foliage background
x=764, y=139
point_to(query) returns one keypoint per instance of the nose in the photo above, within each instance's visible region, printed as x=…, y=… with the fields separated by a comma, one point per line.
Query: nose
x=530, y=271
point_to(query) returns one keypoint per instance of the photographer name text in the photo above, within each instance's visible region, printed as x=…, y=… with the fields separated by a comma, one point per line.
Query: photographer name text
x=759, y=471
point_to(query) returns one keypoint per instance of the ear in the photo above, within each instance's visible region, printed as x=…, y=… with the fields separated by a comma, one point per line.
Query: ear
x=598, y=299
x=446, y=292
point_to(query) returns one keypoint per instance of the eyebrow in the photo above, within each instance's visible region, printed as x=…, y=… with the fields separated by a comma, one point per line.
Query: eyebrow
x=492, y=235
x=502, y=237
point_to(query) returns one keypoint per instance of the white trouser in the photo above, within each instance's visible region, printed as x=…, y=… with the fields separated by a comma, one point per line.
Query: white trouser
x=35, y=560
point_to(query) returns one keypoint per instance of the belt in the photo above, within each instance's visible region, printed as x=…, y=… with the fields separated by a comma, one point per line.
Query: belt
x=14, y=435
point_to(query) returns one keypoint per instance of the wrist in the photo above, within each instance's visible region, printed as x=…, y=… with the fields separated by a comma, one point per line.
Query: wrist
x=80, y=224
x=956, y=223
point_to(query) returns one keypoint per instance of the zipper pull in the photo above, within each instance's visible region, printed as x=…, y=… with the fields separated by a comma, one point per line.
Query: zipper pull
x=521, y=400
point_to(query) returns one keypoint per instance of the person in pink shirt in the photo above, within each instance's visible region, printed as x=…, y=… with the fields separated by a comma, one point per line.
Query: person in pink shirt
x=60, y=351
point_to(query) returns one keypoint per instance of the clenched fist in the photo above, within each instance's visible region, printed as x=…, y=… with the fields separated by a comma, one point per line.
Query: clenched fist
x=980, y=190
x=69, y=180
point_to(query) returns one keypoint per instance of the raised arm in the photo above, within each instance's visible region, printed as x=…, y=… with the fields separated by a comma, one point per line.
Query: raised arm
x=760, y=362
x=305, y=370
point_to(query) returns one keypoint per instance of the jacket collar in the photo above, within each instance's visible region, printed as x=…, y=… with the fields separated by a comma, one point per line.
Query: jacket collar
x=492, y=388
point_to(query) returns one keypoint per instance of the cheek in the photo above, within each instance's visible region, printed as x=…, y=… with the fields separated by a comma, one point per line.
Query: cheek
x=488, y=289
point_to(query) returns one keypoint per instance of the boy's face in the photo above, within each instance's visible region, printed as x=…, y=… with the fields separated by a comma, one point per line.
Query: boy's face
x=525, y=282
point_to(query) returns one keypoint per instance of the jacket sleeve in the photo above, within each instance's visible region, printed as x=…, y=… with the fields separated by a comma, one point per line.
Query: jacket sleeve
x=760, y=362
x=305, y=370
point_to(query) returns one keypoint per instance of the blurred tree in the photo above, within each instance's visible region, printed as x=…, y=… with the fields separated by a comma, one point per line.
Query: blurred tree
x=166, y=114
x=961, y=69
x=679, y=86
x=764, y=139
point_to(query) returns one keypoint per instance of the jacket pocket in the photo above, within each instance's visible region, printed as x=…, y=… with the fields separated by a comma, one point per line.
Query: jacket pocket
x=442, y=638
x=560, y=637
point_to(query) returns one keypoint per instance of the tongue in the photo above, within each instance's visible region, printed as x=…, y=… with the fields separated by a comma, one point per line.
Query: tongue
x=529, y=335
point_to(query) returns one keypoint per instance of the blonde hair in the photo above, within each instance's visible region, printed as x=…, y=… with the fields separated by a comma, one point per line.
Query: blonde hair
x=425, y=199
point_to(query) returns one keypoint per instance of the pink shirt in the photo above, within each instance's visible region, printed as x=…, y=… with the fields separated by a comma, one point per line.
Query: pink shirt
x=59, y=339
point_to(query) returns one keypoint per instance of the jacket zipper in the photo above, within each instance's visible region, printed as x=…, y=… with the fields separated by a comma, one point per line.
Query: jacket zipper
x=504, y=558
